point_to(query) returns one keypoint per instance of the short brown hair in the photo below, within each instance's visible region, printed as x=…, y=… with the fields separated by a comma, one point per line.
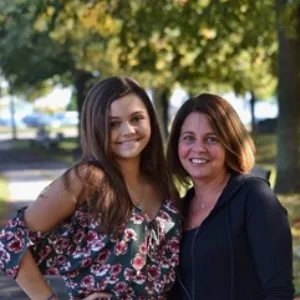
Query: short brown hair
x=239, y=146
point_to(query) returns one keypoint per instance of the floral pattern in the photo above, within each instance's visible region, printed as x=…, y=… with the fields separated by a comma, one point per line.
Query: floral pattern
x=138, y=263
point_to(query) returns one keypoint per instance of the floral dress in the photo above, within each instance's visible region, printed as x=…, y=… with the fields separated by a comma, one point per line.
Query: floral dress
x=138, y=262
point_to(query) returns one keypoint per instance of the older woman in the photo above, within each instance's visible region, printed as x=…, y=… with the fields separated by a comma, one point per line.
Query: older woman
x=236, y=242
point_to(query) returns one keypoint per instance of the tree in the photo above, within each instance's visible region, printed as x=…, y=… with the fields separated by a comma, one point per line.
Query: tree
x=288, y=145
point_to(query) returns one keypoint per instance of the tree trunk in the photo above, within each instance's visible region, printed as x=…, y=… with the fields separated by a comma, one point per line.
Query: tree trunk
x=161, y=105
x=82, y=83
x=252, y=111
x=288, y=142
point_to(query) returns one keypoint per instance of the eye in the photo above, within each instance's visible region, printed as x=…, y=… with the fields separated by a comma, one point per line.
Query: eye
x=114, y=124
x=137, y=119
x=212, y=140
x=188, y=138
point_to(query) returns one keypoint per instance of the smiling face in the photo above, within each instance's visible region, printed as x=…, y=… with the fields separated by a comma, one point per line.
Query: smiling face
x=199, y=150
x=130, y=127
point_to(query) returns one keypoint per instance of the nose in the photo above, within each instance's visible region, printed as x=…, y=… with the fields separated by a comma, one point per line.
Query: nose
x=199, y=146
x=127, y=128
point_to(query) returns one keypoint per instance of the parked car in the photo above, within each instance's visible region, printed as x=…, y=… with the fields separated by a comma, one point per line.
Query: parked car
x=8, y=123
x=37, y=120
x=67, y=118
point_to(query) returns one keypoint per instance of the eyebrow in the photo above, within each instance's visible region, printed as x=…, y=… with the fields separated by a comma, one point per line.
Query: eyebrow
x=132, y=114
x=192, y=132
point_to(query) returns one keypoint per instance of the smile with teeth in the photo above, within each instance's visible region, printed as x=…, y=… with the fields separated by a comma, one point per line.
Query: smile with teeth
x=128, y=142
x=199, y=161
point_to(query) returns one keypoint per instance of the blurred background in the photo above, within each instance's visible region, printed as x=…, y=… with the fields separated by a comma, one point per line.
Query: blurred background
x=52, y=51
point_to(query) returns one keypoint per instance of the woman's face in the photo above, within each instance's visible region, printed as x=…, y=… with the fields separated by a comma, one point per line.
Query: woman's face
x=199, y=150
x=130, y=127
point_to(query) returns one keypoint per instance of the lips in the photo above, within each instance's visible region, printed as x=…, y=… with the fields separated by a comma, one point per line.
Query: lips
x=199, y=161
x=128, y=141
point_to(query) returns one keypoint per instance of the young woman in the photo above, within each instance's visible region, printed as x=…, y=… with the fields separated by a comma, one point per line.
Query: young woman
x=236, y=240
x=109, y=225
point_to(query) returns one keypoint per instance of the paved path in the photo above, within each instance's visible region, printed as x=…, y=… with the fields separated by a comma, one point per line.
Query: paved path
x=27, y=176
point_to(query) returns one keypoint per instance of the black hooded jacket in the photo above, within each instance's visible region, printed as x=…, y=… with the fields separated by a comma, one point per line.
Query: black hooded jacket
x=241, y=251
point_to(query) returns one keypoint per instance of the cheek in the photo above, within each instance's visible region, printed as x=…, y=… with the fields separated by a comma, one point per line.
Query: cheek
x=183, y=151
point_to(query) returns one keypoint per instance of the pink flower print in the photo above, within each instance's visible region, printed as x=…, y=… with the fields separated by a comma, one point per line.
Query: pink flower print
x=100, y=270
x=103, y=256
x=153, y=272
x=44, y=253
x=170, y=207
x=158, y=286
x=78, y=237
x=19, y=233
x=1, y=265
x=60, y=259
x=88, y=282
x=130, y=234
x=165, y=264
x=15, y=246
x=91, y=236
x=166, y=217
x=130, y=292
x=138, y=262
x=115, y=269
x=86, y=262
x=128, y=274
x=174, y=260
x=169, y=277
x=73, y=274
x=149, y=289
x=101, y=285
x=50, y=262
x=12, y=272
x=61, y=245
x=81, y=252
x=112, y=279
x=139, y=278
x=125, y=297
x=173, y=245
x=143, y=249
x=121, y=287
x=12, y=223
x=52, y=271
x=71, y=284
x=4, y=256
x=120, y=248
x=137, y=219
x=7, y=235
x=97, y=245
x=70, y=250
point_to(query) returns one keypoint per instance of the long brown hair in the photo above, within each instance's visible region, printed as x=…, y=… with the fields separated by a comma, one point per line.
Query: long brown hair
x=239, y=146
x=104, y=187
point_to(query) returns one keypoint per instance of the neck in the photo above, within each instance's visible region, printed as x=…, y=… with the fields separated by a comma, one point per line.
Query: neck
x=213, y=186
x=130, y=170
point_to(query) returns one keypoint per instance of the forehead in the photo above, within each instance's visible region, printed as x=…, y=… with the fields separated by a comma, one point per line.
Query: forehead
x=127, y=105
x=196, y=122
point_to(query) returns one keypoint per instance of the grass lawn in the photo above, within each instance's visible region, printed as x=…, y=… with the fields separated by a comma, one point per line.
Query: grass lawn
x=62, y=152
x=4, y=193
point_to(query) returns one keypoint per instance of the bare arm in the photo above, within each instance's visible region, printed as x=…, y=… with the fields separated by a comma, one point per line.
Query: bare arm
x=53, y=206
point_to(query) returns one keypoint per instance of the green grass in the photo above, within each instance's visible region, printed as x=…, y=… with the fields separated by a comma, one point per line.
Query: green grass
x=63, y=151
x=4, y=194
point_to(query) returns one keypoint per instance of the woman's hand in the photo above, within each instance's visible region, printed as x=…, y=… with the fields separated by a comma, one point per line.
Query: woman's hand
x=98, y=296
